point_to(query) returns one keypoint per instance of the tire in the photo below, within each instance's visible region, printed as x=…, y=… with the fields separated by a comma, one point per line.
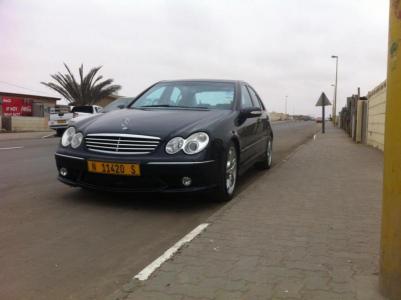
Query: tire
x=228, y=176
x=59, y=132
x=266, y=162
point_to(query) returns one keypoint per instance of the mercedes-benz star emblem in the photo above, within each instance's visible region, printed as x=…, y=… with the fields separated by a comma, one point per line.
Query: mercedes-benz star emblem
x=124, y=124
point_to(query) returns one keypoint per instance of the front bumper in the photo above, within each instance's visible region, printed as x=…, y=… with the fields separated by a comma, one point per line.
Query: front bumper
x=156, y=176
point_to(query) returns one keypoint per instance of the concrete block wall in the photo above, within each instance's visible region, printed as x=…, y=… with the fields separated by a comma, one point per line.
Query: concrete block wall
x=29, y=124
x=278, y=116
x=377, y=116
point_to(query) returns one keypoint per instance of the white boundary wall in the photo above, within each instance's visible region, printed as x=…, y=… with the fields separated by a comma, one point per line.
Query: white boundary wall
x=29, y=124
x=377, y=116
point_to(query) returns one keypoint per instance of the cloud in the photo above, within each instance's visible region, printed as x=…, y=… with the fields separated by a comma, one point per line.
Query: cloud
x=280, y=47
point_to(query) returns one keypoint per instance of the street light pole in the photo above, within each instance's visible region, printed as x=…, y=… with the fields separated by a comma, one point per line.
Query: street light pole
x=286, y=99
x=334, y=114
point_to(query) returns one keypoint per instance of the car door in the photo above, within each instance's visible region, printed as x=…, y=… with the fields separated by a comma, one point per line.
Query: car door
x=263, y=124
x=247, y=130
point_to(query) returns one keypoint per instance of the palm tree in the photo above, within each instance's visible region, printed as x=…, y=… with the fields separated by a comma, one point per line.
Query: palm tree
x=86, y=92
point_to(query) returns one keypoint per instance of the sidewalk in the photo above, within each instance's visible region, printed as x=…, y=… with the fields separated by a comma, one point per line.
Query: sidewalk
x=307, y=229
x=25, y=135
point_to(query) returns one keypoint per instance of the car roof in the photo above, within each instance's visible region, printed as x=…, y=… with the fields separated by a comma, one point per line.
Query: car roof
x=204, y=80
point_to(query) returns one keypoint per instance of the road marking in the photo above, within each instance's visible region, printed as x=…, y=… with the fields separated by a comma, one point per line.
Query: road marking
x=10, y=148
x=314, y=137
x=147, y=271
x=47, y=136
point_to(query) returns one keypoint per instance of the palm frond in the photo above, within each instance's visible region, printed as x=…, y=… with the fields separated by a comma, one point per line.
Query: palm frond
x=89, y=90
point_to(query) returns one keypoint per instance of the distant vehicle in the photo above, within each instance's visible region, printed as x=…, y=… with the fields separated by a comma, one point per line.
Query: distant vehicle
x=84, y=111
x=176, y=136
x=119, y=103
x=319, y=120
x=58, y=119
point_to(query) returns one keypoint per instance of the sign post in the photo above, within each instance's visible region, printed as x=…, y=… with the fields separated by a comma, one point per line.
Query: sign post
x=323, y=102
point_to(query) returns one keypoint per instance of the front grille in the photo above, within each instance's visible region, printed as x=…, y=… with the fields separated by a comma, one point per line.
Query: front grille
x=120, y=143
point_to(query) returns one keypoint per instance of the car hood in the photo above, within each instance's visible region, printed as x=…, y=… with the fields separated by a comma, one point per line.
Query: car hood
x=162, y=123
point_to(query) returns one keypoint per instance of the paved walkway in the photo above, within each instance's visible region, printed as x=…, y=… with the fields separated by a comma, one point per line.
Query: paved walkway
x=307, y=229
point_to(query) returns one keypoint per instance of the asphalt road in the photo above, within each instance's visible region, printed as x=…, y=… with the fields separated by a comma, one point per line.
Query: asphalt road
x=58, y=242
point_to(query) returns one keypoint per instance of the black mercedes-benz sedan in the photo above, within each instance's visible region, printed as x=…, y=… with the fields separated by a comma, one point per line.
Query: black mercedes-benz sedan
x=176, y=136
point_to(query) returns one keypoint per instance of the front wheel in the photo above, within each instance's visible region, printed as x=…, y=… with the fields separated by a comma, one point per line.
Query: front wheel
x=228, y=175
x=266, y=162
x=59, y=132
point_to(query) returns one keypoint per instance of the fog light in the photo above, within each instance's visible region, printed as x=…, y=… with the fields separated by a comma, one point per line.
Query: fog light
x=63, y=172
x=186, y=181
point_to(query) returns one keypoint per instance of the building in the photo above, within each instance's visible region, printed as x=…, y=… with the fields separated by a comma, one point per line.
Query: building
x=25, y=112
x=106, y=100
x=16, y=105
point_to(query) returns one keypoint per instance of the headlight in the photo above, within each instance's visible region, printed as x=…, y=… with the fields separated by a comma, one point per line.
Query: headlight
x=67, y=136
x=195, y=143
x=175, y=145
x=76, y=140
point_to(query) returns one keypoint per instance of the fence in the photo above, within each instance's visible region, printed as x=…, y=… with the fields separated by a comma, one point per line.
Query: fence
x=377, y=116
x=353, y=118
x=364, y=117
x=24, y=124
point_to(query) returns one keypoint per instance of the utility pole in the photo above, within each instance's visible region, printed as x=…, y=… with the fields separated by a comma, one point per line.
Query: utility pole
x=390, y=255
x=334, y=114
x=286, y=102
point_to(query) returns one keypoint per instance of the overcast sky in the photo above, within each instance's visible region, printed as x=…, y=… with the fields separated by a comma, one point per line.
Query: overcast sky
x=281, y=47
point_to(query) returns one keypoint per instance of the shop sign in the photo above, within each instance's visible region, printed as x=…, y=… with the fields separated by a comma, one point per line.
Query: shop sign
x=16, y=107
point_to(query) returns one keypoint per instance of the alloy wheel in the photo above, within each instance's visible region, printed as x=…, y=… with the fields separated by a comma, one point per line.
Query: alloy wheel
x=269, y=153
x=231, y=170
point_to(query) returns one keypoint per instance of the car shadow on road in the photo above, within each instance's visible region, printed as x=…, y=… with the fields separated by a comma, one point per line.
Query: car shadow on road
x=157, y=201
x=143, y=201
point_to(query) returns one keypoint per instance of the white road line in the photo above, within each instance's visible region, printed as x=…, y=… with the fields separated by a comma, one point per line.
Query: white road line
x=46, y=136
x=147, y=271
x=314, y=137
x=9, y=148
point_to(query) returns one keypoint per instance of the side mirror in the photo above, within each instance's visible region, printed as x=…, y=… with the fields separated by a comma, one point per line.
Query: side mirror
x=250, y=112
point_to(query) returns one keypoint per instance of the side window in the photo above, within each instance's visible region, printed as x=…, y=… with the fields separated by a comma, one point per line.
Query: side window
x=245, y=98
x=255, y=98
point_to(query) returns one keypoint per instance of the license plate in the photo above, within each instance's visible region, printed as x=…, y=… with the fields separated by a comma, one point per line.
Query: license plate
x=60, y=121
x=114, y=168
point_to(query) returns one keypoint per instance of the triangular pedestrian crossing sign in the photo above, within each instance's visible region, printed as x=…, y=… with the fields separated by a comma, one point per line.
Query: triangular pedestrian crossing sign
x=323, y=100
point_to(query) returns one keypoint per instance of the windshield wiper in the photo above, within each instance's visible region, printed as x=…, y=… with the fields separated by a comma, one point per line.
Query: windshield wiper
x=157, y=105
x=175, y=106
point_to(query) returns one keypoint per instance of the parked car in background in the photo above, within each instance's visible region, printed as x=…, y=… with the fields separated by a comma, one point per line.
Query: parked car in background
x=60, y=120
x=119, y=103
x=83, y=112
x=176, y=136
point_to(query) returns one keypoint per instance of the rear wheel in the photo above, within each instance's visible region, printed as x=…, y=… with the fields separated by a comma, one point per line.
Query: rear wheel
x=266, y=162
x=228, y=175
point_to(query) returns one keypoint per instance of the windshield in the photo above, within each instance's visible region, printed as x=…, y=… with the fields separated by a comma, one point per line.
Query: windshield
x=196, y=95
x=117, y=104
x=83, y=109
